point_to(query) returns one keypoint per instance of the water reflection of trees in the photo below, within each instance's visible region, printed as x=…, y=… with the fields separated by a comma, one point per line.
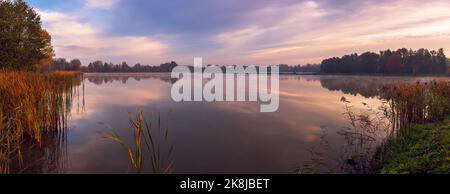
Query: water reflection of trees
x=100, y=79
x=366, y=86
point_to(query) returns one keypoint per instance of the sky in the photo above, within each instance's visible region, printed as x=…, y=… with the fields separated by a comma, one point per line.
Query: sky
x=250, y=32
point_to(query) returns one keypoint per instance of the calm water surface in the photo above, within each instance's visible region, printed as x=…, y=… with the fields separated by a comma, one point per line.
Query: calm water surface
x=222, y=137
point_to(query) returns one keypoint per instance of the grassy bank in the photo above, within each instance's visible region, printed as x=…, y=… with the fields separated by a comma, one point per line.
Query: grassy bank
x=408, y=133
x=423, y=149
x=32, y=105
x=419, y=141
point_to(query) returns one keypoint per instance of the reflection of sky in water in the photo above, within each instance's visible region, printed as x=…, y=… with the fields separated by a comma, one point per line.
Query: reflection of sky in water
x=222, y=137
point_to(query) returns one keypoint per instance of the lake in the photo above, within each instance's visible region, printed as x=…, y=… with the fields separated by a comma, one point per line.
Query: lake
x=219, y=137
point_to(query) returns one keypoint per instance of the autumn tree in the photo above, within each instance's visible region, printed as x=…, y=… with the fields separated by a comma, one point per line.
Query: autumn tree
x=395, y=64
x=24, y=45
x=401, y=61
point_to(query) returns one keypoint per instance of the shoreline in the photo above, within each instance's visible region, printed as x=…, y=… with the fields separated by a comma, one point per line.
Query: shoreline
x=292, y=73
x=408, y=156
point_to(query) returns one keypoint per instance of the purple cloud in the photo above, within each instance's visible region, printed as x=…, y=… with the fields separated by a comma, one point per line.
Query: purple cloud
x=242, y=31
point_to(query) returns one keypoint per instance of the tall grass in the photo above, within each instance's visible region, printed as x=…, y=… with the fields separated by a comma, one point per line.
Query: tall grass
x=404, y=106
x=371, y=133
x=148, y=142
x=417, y=103
x=31, y=106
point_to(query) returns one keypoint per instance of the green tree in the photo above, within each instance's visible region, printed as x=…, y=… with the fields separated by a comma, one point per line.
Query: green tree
x=24, y=45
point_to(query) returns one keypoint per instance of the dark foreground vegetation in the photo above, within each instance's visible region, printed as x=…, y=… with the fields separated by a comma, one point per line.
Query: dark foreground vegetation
x=413, y=125
x=419, y=141
x=409, y=134
x=424, y=148
x=32, y=106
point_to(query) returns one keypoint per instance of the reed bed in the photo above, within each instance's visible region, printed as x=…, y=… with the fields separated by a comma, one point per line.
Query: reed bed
x=32, y=105
x=417, y=103
x=407, y=133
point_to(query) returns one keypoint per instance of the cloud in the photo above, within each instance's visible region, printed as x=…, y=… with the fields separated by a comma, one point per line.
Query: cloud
x=314, y=30
x=101, y=4
x=261, y=38
x=73, y=38
x=247, y=31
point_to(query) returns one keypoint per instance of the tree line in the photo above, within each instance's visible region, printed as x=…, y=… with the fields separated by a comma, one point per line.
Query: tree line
x=99, y=66
x=310, y=68
x=62, y=64
x=402, y=61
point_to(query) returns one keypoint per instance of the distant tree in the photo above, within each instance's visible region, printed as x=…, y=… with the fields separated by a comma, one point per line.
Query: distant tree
x=95, y=66
x=350, y=64
x=63, y=64
x=24, y=44
x=99, y=66
x=167, y=67
x=332, y=65
x=125, y=66
x=137, y=67
x=310, y=68
x=284, y=68
x=60, y=64
x=75, y=64
x=369, y=62
x=441, y=60
x=395, y=64
x=384, y=57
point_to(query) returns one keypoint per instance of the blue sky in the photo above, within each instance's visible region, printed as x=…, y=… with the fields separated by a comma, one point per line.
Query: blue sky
x=259, y=32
